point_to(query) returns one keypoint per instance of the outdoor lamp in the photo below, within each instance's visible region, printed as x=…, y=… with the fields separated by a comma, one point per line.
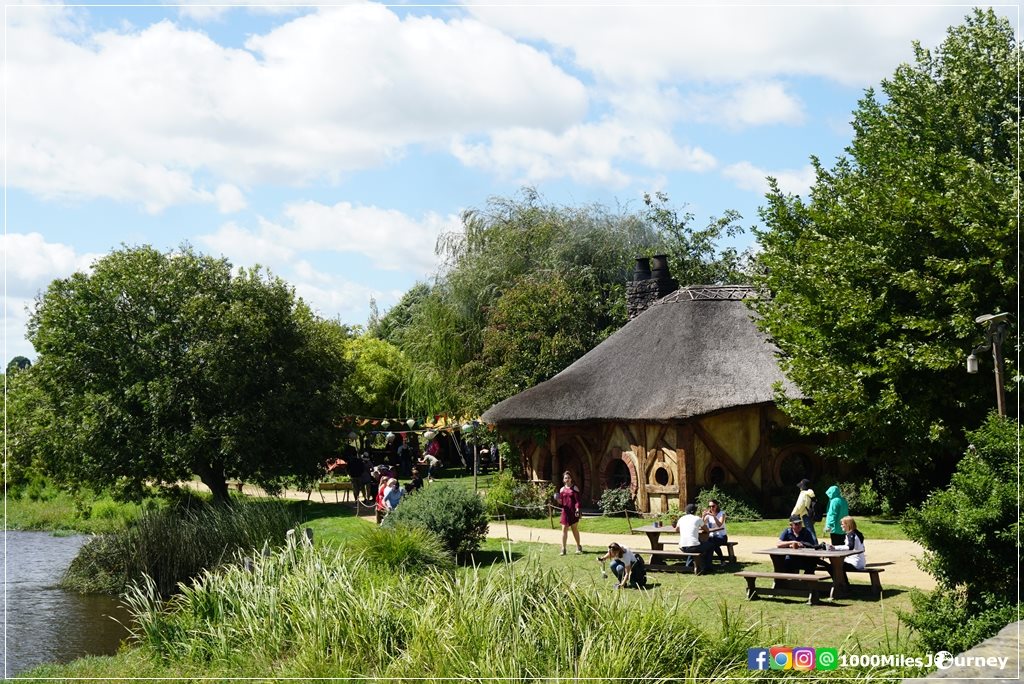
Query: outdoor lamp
x=467, y=428
x=972, y=364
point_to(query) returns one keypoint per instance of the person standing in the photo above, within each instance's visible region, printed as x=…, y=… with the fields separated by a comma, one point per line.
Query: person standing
x=568, y=497
x=690, y=526
x=805, y=502
x=392, y=495
x=838, y=508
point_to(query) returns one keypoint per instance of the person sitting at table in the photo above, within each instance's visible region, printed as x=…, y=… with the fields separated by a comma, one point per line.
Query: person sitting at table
x=796, y=536
x=690, y=527
x=714, y=519
x=628, y=567
x=854, y=542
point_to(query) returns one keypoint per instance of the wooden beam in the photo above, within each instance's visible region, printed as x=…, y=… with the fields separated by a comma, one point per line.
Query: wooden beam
x=722, y=455
x=687, y=464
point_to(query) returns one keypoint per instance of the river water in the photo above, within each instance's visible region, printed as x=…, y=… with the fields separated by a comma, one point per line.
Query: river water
x=46, y=624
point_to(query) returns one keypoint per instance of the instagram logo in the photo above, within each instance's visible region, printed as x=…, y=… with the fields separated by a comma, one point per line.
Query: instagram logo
x=803, y=658
x=781, y=657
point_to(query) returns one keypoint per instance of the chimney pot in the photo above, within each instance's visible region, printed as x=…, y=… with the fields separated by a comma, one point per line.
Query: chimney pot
x=642, y=270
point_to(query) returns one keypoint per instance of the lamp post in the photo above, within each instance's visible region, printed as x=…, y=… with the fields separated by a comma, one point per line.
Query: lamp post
x=997, y=325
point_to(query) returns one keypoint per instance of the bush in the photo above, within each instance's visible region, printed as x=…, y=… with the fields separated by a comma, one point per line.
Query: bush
x=174, y=545
x=508, y=495
x=455, y=514
x=970, y=532
x=736, y=504
x=617, y=501
x=402, y=547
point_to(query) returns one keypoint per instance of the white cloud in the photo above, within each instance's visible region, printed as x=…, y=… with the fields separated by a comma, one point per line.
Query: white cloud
x=586, y=153
x=31, y=262
x=631, y=45
x=750, y=104
x=137, y=116
x=229, y=199
x=746, y=176
x=387, y=239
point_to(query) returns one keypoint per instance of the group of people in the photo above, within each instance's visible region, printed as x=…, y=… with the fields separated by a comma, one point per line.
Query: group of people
x=840, y=525
x=390, y=491
x=629, y=568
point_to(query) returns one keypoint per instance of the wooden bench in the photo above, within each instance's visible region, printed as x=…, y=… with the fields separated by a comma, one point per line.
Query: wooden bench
x=236, y=484
x=657, y=563
x=729, y=546
x=784, y=584
x=876, y=582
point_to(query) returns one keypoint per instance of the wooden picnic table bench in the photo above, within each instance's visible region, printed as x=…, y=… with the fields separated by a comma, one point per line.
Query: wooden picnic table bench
x=694, y=561
x=876, y=582
x=658, y=543
x=784, y=584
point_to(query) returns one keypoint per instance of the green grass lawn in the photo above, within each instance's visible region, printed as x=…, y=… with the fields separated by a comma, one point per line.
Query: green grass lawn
x=854, y=623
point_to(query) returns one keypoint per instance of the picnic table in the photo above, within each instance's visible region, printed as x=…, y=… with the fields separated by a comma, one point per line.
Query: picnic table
x=840, y=583
x=659, y=555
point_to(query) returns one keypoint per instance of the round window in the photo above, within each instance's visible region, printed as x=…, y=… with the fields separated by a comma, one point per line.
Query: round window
x=661, y=476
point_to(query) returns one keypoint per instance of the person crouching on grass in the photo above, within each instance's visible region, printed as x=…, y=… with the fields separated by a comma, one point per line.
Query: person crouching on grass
x=628, y=567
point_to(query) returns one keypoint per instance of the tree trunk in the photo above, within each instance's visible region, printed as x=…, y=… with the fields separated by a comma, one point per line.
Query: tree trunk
x=213, y=477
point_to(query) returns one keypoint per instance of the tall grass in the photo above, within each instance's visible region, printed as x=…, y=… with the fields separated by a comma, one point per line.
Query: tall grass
x=322, y=612
x=175, y=544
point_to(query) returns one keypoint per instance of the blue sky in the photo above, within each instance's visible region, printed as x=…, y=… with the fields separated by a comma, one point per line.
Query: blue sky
x=333, y=144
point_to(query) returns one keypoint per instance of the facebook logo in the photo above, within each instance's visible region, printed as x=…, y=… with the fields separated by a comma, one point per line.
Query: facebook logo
x=757, y=659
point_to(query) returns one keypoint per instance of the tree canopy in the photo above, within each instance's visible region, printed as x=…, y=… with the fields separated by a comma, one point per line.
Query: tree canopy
x=155, y=366
x=878, y=277
x=528, y=287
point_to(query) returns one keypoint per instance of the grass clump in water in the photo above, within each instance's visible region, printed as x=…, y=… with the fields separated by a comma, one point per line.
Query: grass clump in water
x=175, y=544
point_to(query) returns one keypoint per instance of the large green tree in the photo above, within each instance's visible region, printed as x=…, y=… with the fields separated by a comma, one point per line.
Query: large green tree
x=877, y=278
x=155, y=366
x=470, y=348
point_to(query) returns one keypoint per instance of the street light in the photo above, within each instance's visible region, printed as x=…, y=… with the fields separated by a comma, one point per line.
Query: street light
x=997, y=325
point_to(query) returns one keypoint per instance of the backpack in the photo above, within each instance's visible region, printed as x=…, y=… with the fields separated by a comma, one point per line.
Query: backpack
x=813, y=512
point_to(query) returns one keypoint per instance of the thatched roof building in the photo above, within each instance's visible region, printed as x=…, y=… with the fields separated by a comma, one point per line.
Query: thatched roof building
x=679, y=398
x=693, y=352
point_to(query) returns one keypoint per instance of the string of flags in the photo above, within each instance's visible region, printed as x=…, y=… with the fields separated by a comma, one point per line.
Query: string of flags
x=428, y=426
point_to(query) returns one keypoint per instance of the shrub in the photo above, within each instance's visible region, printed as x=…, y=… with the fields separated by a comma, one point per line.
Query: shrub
x=736, y=503
x=508, y=495
x=970, y=534
x=403, y=547
x=617, y=501
x=174, y=545
x=455, y=514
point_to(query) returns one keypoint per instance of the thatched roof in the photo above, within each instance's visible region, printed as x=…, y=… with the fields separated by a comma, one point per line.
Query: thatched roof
x=692, y=352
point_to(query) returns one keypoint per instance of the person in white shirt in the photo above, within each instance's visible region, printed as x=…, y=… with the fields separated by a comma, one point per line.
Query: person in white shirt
x=689, y=526
x=628, y=567
x=714, y=518
x=854, y=542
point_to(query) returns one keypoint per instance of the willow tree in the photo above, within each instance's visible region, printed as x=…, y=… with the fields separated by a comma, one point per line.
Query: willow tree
x=878, y=277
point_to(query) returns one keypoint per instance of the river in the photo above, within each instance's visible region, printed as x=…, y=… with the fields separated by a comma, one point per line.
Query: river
x=46, y=624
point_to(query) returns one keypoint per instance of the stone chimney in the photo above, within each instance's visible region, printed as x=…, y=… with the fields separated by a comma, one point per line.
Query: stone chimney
x=651, y=281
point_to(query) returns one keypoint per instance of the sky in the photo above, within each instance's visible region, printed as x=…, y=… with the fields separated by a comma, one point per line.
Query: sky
x=333, y=144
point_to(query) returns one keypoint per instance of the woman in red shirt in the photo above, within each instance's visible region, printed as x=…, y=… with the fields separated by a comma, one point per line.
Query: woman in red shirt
x=568, y=498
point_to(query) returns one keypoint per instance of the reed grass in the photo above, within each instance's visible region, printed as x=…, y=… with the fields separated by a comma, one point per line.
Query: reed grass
x=326, y=612
x=175, y=544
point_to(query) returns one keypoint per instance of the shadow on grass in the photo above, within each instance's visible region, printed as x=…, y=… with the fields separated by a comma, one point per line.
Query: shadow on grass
x=488, y=557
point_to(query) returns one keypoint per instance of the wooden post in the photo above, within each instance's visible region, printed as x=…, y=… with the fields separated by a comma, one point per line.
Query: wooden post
x=687, y=466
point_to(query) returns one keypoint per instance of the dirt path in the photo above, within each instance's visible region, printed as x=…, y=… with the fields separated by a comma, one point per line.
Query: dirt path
x=894, y=555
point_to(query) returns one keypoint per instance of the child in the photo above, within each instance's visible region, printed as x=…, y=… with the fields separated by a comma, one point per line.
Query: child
x=854, y=542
